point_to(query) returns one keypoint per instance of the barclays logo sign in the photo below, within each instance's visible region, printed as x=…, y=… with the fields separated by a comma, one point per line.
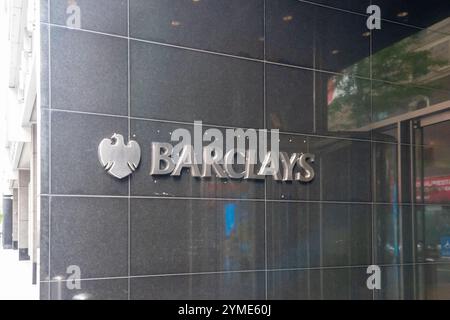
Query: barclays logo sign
x=119, y=159
x=246, y=156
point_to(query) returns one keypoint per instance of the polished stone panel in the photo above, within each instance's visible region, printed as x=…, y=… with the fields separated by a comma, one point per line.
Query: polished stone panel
x=289, y=234
x=420, y=282
x=315, y=284
x=181, y=236
x=183, y=85
x=302, y=235
x=190, y=238
x=359, y=6
x=338, y=247
x=233, y=26
x=312, y=36
x=44, y=151
x=343, y=170
x=44, y=67
x=143, y=184
x=288, y=32
x=290, y=190
x=44, y=291
x=74, y=144
x=415, y=12
x=91, y=233
x=345, y=284
x=105, y=289
x=346, y=235
x=222, y=286
x=89, y=72
x=109, y=16
x=43, y=5
x=289, y=92
x=44, y=247
x=293, y=285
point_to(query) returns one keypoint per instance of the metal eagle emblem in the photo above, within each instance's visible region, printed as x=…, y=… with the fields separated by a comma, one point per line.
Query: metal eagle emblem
x=117, y=158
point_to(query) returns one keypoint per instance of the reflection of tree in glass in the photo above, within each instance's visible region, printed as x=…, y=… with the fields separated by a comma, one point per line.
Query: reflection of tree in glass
x=403, y=62
x=349, y=98
x=348, y=102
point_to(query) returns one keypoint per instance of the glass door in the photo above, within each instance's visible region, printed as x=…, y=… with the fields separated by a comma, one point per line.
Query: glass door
x=413, y=178
x=432, y=209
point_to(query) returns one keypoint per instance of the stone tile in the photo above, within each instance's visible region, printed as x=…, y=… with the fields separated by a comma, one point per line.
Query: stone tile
x=181, y=236
x=90, y=233
x=109, y=16
x=228, y=286
x=234, y=26
x=312, y=36
x=105, y=289
x=76, y=168
x=89, y=72
x=182, y=85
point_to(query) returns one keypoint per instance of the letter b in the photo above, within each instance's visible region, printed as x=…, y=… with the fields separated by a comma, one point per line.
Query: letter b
x=161, y=153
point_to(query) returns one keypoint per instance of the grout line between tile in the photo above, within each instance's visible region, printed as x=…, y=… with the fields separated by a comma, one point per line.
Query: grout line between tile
x=318, y=268
x=265, y=127
x=337, y=202
x=49, y=53
x=186, y=123
x=129, y=137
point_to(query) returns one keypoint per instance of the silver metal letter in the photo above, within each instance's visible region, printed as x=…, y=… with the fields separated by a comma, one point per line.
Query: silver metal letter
x=229, y=160
x=161, y=153
x=187, y=160
x=211, y=162
x=288, y=165
x=269, y=167
x=241, y=135
x=304, y=164
x=250, y=166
